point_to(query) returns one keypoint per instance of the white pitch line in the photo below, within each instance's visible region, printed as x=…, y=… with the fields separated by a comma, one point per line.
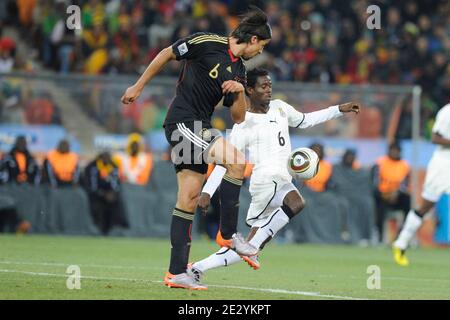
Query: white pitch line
x=386, y=278
x=59, y=264
x=301, y=293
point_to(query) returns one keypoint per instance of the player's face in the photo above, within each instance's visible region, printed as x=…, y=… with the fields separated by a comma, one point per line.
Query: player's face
x=254, y=47
x=262, y=93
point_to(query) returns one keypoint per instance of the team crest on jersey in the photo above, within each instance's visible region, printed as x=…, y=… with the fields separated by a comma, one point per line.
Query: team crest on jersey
x=205, y=134
x=282, y=113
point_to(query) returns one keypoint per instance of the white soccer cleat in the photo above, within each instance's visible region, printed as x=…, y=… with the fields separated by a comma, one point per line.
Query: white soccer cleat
x=194, y=273
x=182, y=280
x=237, y=243
x=242, y=246
x=252, y=261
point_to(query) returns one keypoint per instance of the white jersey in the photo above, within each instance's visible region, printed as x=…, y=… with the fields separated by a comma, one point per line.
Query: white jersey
x=437, y=179
x=266, y=138
x=442, y=127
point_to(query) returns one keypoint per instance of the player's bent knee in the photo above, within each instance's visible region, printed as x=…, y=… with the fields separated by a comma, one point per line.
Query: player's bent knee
x=295, y=202
x=187, y=202
x=299, y=206
x=236, y=170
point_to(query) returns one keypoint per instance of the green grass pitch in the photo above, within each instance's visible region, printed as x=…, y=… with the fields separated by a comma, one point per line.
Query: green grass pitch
x=34, y=267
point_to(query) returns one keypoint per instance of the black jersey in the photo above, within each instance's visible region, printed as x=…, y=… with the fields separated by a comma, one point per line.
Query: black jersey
x=208, y=62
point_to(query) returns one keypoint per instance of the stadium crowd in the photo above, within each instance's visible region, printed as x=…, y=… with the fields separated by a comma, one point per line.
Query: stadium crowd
x=313, y=41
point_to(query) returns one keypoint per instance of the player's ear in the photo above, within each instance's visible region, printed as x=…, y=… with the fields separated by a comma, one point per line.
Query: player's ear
x=248, y=91
x=254, y=40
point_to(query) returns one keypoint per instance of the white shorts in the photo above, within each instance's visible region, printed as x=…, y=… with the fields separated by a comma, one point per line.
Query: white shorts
x=266, y=198
x=437, y=179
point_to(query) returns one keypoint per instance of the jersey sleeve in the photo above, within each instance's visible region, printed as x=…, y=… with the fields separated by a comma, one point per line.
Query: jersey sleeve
x=302, y=120
x=194, y=46
x=295, y=118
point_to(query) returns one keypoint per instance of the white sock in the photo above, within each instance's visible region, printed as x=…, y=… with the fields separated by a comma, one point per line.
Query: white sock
x=222, y=258
x=269, y=227
x=412, y=223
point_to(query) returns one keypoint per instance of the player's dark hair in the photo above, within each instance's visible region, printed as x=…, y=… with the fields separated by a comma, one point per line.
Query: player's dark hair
x=395, y=145
x=253, y=23
x=319, y=146
x=253, y=75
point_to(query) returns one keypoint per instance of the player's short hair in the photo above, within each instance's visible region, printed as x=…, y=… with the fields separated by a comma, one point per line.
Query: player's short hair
x=395, y=145
x=320, y=147
x=253, y=23
x=253, y=75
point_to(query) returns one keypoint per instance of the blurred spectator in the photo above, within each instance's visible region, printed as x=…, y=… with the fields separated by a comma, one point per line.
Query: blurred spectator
x=42, y=110
x=10, y=220
x=19, y=165
x=7, y=50
x=135, y=165
x=390, y=179
x=321, y=181
x=92, y=11
x=61, y=167
x=64, y=40
x=102, y=183
x=126, y=42
x=94, y=43
x=349, y=160
x=352, y=186
x=26, y=8
x=161, y=29
x=8, y=215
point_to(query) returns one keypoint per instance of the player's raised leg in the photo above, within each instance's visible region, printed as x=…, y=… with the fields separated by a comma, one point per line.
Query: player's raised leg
x=262, y=231
x=225, y=154
x=189, y=186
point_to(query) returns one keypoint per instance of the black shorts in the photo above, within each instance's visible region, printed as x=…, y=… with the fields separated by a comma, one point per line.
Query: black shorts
x=190, y=142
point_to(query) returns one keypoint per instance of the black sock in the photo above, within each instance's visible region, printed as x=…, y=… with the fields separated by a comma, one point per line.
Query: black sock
x=288, y=211
x=418, y=214
x=180, y=238
x=229, y=205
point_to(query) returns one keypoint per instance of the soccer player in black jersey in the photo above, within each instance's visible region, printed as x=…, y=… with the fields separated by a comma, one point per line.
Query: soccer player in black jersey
x=213, y=70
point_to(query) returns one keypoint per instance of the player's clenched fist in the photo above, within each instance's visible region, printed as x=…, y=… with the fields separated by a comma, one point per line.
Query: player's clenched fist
x=204, y=201
x=232, y=86
x=350, y=107
x=131, y=94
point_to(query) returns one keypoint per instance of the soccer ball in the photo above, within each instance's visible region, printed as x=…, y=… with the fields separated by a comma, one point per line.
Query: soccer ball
x=303, y=163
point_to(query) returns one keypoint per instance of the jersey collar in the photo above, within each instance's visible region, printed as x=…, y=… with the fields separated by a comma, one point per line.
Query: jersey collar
x=233, y=58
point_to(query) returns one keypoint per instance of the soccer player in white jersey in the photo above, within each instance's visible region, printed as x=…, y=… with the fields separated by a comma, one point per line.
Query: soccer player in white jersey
x=265, y=135
x=437, y=182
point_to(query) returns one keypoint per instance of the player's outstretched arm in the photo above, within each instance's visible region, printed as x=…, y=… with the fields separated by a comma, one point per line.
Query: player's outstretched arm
x=133, y=92
x=239, y=106
x=307, y=120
